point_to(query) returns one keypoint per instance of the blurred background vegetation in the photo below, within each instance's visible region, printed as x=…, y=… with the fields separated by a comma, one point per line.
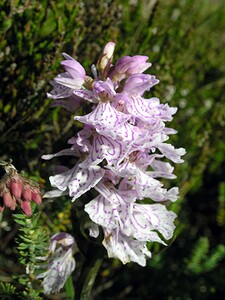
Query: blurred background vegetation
x=185, y=41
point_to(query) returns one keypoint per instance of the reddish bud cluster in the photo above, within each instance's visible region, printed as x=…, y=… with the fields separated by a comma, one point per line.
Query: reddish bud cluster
x=14, y=188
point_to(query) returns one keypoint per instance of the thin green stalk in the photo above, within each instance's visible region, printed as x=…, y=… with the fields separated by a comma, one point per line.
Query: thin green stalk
x=89, y=273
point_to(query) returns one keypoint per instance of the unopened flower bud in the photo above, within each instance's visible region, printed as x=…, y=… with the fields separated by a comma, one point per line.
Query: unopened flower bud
x=105, y=59
x=13, y=203
x=36, y=196
x=25, y=206
x=7, y=198
x=16, y=186
x=26, y=192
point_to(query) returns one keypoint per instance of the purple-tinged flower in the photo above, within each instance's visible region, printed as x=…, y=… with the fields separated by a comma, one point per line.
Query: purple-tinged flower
x=73, y=79
x=75, y=181
x=72, y=104
x=125, y=248
x=104, y=116
x=60, y=262
x=119, y=215
x=129, y=65
x=75, y=74
x=60, y=91
x=139, y=83
x=73, y=67
x=120, y=154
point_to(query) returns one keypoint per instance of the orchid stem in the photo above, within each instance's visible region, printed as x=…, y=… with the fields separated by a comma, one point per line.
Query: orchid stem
x=89, y=273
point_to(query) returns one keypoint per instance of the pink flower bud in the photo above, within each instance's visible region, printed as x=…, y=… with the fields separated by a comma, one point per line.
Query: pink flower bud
x=109, y=49
x=105, y=60
x=26, y=192
x=36, y=196
x=25, y=206
x=13, y=204
x=16, y=186
x=7, y=198
x=2, y=208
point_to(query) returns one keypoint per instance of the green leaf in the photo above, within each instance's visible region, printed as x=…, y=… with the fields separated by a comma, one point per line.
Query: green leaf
x=20, y=222
x=70, y=293
x=19, y=216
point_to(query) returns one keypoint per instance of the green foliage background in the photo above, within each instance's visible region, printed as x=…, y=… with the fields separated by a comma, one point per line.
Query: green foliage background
x=185, y=41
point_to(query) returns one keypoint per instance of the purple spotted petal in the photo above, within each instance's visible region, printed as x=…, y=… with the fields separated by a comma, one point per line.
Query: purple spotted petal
x=171, y=153
x=148, y=218
x=145, y=185
x=62, y=180
x=102, y=212
x=142, y=108
x=130, y=133
x=125, y=248
x=56, y=276
x=103, y=147
x=104, y=115
x=59, y=91
x=162, y=169
x=86, y=95
x=84, y=180
x=81, y=142
x=149, y=109
x=104, y=89
x=77, y=180
x=148, y=187
x=172, y=194
x=111, y=211
x=60, y=262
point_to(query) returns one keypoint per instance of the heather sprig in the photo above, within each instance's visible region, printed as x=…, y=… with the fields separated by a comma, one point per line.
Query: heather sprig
x=32, y=242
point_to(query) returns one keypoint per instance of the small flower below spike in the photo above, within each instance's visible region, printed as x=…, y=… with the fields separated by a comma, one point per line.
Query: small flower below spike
x=60, y=262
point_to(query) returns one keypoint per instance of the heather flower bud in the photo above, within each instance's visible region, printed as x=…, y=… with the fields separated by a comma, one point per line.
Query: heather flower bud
x=36, y=196
x=7, y=198
x=26, y=192
x=16, y=186
x=13, y=203
x=25, y=206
